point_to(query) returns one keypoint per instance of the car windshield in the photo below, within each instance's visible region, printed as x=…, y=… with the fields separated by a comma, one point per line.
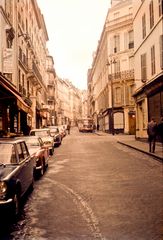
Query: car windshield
x=55, y=130
x=5, y=153
x=40, y=133
x=32, y=142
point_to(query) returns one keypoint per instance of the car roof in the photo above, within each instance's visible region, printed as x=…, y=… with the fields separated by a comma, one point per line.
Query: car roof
x=10, y=140
x=26, y=137
x=39, y=129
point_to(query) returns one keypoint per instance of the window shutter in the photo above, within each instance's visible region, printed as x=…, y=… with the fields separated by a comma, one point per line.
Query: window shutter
x=161, y=51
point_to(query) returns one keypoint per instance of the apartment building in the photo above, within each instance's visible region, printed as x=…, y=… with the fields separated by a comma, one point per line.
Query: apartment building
x=148, y=55
x=51, y=90
x=84, y=102
x=111, y=78
x=13, y=108
x=23, y=68
x=68, y=102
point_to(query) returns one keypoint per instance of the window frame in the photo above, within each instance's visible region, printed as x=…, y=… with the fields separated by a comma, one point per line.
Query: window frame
x=151, y=14
x=153, y=63
x=143, y=67
x=144, y=26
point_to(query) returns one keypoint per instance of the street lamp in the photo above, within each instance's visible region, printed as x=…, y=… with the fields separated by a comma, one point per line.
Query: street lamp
x=110, y=63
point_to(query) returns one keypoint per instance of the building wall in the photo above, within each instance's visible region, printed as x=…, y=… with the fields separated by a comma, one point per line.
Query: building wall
x=112, y=70
x=150, y=87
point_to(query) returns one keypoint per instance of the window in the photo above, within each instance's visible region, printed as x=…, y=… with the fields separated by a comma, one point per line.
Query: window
x=160, y=8
x=116, y=43
x=117, y=66
x=116, y=15
x=151, y=13
x=153, y=66
x=13, y=156
x=24, y=150
x=161, y=51
x=143, y=67
x=20, y=153
x=131, y=92
x=118, y=96
x=143, y=26
x=131, y=39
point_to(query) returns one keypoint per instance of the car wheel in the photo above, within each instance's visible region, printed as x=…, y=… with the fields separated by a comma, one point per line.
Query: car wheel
x=51, y=151
x=16, y=207
x=42, y=170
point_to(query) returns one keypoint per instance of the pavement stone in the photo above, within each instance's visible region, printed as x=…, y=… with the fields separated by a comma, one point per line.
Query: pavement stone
x=132, y=142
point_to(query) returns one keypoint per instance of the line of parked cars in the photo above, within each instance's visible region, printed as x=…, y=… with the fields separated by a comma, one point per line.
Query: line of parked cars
x=22, y=159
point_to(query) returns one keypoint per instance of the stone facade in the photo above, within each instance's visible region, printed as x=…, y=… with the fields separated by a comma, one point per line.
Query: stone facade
x=31, y=92
x=148, y=57
x=111, y=78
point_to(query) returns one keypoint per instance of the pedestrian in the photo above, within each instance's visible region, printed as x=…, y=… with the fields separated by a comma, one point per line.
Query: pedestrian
x=68, y=128
x=26, y=130
x=160, y=129
x=152, y=133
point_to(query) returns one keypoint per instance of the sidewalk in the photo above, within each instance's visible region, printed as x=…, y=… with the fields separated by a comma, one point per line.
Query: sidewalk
x=130, y=141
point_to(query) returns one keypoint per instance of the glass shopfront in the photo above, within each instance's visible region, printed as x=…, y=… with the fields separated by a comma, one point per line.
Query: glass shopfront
x=155, y=106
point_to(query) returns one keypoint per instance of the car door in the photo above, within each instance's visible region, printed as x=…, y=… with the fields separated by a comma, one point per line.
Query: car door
x=25, y=166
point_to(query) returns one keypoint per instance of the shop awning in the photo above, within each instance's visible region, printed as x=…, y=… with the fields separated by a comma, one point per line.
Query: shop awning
x=20, y=102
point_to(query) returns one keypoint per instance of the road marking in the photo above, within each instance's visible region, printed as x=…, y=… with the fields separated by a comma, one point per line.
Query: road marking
x=84, y=208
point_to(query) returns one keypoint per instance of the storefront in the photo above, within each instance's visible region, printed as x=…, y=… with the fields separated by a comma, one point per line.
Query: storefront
x=149, y=103
x=14, y=112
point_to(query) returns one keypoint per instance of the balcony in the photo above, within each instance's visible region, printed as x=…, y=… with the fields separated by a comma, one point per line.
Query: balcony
x=28, y=101
x=124, y=75
x=22, y=58
x=119, y=22
x=36, y=71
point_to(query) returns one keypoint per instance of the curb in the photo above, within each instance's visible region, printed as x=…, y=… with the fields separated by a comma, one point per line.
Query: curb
x=140, y=150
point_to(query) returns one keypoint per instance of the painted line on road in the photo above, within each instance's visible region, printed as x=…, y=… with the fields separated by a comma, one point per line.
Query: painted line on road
x=84, y=208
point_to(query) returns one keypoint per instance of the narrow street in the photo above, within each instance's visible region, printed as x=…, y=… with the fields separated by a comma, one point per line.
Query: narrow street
x=94, y=188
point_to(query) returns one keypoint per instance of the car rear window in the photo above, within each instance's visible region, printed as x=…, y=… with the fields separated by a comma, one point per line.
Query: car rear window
x=7, y=153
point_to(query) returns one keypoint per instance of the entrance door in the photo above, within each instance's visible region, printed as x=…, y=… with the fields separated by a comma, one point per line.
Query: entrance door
x=132, y=124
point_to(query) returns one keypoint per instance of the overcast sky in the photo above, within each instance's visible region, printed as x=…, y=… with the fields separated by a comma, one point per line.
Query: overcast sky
x=74, y=28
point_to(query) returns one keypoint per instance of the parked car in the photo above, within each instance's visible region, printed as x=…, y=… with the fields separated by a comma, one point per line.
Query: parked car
x=54, y=131
x=39, y=151
x=44, y=133
x=62, y=131
x=16, y=173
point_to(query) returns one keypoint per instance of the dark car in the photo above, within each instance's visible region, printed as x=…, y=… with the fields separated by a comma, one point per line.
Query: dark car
x=39, y=151
x=16, y=173
x=55, y=133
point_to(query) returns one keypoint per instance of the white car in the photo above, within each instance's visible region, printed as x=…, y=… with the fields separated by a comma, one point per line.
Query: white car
x=44, y=134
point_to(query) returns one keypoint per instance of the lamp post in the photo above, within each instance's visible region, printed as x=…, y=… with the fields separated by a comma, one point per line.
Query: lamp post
x=110, y=63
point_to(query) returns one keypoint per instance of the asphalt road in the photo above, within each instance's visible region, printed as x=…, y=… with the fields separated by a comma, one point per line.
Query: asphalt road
x=94, y=188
